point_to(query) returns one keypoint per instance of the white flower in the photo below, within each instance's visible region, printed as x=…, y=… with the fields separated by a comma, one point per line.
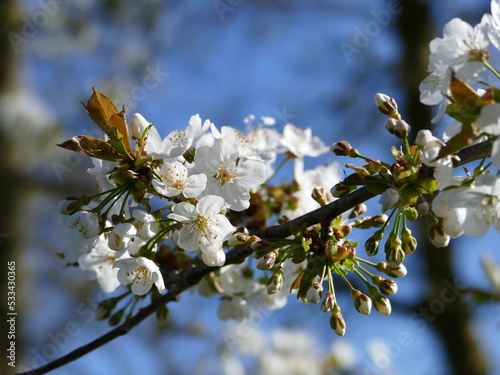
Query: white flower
x=453, y=218
x=205, y=228
x=141, y=273
x=461, y=51
x=483, y=199
x=493, y=23
x=177, y=142
x=301, y=143
x=99, y=262
x=489, y=122
x=146, y=224
x=83, y=224
x=228, y=176
x=462, y=48
x=324, y=176
x=176, y=180
x=121, y=235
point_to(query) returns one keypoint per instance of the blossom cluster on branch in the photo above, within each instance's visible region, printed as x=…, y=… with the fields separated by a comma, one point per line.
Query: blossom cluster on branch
x=203, y=189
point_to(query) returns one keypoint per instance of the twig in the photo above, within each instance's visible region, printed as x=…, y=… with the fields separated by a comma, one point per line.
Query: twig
x=192, y=276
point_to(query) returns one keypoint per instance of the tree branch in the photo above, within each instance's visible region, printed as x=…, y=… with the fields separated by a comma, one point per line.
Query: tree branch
x=192, y=276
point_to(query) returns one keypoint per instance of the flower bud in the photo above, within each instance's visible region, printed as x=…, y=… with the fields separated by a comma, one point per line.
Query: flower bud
x=314, y=293
x=423, y=138
x=387, y=105
x=371, y=246
x=267, y=261
x=137, y=125
x=396, y=272
x=340, y=190
x=258, y=244
x=328, y=302
x=319, y=195
x=422, y=206
x=341, y=148
x=238, y=238
x=359, y=210
x=389, y=198
x=382, y=304
x=275, y=283
x=394, y=254
x=438, y=236
x=378, y=221
x=386, y=286
x=362, y=302
x=390, y=124
x=401, y=129
x=409, y=243
x=337, y=322
x=214, y=260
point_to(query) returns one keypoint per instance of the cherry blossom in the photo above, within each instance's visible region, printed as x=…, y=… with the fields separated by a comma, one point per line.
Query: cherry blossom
x=483, y=201
x=205, y=228
x=141, y=272
x=175, y=180
x=229, y=176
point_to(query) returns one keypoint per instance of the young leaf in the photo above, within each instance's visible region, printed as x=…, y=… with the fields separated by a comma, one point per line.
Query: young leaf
x=90, y=146
x=105, y=114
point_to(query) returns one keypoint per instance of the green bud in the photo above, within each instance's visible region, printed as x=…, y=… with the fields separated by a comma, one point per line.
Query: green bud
x=337, y=322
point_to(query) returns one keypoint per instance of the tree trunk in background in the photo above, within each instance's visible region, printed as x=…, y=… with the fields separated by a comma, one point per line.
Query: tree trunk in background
x=453, y=324
x=11, y=185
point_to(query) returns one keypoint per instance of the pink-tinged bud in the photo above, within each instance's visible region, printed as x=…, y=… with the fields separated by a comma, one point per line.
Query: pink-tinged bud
x=387, y=105
x=341, y=148
x=137, y=125
x=362, y=302
x=359, y=210
x=258, y=244
x=328, y=302
x=314, y=293
x=386, y=286
x=319, y=195
x=267, y=261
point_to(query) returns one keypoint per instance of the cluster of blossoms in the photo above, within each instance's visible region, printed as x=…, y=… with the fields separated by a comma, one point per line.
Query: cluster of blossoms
x=204, y=189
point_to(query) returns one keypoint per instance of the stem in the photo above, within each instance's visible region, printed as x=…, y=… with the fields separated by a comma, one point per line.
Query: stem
x=491, y=68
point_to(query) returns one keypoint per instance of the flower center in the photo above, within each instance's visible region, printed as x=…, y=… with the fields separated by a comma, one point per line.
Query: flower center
x=141, y=275
x=225, y=174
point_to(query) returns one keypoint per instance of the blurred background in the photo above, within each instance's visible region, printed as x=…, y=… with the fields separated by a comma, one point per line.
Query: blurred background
x=314, y=64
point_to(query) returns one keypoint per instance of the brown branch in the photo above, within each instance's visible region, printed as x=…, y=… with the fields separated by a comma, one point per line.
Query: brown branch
x=192, y=276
